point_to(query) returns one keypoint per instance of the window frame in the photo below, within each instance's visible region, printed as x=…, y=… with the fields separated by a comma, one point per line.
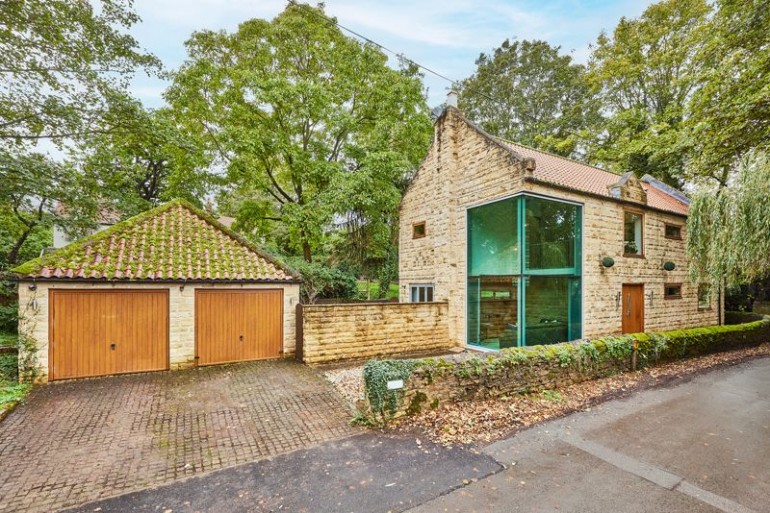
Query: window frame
x=709, y=306
x=678, y=227
x=422, y=287
x=416, y=226
x=668, y=296
x=641, y=232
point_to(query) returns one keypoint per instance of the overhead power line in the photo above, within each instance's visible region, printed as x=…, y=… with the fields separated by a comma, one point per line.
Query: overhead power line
x=371, y=41
x=384, y=48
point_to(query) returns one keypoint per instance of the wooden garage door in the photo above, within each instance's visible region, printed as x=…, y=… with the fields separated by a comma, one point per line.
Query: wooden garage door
x=238, y=325
x=100, y=332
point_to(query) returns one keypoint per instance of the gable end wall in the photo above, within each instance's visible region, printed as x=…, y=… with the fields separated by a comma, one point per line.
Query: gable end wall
x=464, y=168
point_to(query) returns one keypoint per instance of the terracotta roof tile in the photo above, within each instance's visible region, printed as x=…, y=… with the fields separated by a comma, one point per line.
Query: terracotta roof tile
x=582, y=177
x=171, y=242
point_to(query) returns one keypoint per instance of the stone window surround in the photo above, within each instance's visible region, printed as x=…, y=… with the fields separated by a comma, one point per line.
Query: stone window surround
x=666, y=294
x=678, y=227
x=417, y=288
x=418, y=230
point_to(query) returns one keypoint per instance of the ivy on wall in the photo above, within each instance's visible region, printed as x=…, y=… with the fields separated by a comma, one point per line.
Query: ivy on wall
x=437, y=379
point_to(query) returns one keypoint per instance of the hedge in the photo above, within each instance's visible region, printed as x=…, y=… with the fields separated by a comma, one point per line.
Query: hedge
x=525, y=369
x=742, y=317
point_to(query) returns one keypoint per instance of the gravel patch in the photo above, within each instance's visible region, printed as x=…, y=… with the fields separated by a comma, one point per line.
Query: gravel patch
x=349, y=382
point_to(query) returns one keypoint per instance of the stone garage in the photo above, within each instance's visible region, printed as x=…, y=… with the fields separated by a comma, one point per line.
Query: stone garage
x=166, y=289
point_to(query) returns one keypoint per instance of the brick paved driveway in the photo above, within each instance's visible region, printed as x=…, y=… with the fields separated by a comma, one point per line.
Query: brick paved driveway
x=78, y=441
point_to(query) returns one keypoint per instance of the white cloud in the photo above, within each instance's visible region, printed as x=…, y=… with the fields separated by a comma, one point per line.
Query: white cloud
x=445, y=35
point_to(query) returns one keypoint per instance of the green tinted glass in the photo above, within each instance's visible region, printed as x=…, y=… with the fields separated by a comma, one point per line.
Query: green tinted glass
x=493, y=240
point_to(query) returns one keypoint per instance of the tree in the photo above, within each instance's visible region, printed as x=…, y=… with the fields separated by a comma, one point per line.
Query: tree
x=308, y=123
x=30, y=185
x=64, y=68
x=647, y=71
x=728, y=228
x=529, y=93
x=730, y=114
x=152, y=160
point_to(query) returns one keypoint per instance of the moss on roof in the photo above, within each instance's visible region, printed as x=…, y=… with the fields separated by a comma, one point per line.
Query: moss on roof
x=174, y=241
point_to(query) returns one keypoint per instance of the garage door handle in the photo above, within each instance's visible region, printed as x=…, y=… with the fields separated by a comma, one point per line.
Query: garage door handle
x=240, y=338
x=112, y=346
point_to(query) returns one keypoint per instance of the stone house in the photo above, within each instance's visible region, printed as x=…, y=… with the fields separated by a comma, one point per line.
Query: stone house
x=168, y=288
x=531, y=248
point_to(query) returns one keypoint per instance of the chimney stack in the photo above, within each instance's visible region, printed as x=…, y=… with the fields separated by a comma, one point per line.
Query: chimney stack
x=451, y=98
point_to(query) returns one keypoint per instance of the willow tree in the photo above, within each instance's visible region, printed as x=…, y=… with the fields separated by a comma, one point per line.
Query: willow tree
x=310, y=125
x=729, y=228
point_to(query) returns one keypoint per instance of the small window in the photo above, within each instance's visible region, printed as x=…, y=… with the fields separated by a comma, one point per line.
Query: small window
x=418, y=230
x=672, y=291
x=673, y=232
x=422, y=293
x=632, y=234
x=704, y=296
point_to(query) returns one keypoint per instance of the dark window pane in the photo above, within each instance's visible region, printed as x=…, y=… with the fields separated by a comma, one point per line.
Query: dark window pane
x=418, y=231
x=673, y=291
x=673, y=232
x=493, y=311
x=550, y=234
x=429, y=294
x=552, y=309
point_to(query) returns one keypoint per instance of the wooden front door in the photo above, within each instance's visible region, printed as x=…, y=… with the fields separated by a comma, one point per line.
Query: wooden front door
x=102, y=332
x=633, y=308
x=238, y=325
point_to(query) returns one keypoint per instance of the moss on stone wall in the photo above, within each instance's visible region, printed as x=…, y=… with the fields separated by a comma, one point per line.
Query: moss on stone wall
x=531, y=369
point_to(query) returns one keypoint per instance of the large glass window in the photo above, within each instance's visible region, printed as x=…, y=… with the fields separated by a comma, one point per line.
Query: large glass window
x=493, y=239
x=551, y=230
x=524, y=273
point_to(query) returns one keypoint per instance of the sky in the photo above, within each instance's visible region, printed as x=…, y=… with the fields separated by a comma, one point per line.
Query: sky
x=444, y=35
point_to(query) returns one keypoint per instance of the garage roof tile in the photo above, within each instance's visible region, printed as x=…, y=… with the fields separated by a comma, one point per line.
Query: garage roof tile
x=173, y=242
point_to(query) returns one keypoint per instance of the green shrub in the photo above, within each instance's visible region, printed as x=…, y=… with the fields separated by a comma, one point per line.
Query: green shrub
x=12, y=393
x=9, y=367
x=384, y=403
x=590, y=358
x=9, y=317
x=732, y=318
x=322, y=281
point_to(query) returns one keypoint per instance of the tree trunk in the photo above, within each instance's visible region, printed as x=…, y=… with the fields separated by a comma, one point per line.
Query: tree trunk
x=13, y=256
x=306, y=254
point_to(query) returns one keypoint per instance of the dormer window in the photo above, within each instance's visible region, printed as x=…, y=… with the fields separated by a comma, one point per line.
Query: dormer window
x=418, y=230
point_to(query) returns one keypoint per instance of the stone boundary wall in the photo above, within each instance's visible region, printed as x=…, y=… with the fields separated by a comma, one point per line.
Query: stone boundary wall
x=537, y=368
x=354, y=331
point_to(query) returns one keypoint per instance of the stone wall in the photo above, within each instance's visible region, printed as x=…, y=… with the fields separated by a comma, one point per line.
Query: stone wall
x=464, y=168
x=332, y=333
x=526, y=370
x=34, y=316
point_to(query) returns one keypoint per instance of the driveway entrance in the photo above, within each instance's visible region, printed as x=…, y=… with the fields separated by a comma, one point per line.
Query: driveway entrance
x=78, y=441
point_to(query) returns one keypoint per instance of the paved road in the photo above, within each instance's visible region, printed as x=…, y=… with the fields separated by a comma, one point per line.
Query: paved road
x=369, y=472
x=703, y=446
x=80, y=441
